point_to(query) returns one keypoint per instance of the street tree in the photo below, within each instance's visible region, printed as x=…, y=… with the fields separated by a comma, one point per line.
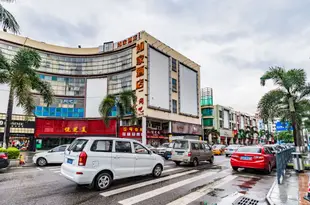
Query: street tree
x=21, y=77
x=289, y=100
x=213, y=132
x=125, y=103
x=7, y=19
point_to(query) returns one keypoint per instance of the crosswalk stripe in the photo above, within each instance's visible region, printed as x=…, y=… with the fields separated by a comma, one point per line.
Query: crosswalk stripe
x=150, y=194
x=142, y=184
x=172, y=170
x=201, y=192
x=56, y=171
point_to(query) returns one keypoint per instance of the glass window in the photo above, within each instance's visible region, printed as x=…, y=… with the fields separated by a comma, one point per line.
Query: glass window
x=207, y=147
x=201, y=146
x=62, y=148
x=180, y=144
x=77, y=145
x=174, y=64
x=195, y=146
x=250, y=150
x=139, y=149
x=102, y=146
x=122, y=146
x=174, y=106
x=174, y=85
x=54, y=78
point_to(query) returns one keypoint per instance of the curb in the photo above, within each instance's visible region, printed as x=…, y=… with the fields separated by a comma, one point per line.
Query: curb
x=270, y=202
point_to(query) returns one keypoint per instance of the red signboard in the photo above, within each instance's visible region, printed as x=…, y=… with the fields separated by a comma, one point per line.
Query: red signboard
x=136, y=132
x=46, y=126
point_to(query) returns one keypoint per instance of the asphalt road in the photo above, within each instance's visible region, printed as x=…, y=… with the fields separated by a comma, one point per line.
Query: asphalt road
x=184, y=184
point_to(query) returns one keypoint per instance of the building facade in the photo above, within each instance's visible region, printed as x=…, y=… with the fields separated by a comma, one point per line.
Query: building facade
x=166, y=83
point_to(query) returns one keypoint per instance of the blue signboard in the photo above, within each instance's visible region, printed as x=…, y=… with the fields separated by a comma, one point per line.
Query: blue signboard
x=283, y=126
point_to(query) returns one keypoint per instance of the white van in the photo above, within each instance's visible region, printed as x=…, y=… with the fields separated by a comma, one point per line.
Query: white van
x=97, y=161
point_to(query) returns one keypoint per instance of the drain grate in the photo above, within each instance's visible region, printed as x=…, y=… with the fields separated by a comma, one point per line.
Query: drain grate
x=245, y=201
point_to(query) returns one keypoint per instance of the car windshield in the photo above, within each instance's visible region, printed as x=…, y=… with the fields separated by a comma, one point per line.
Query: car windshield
x=232, y=146
x=250, y=149
x=217, y=146
x=180, y=145
x=165, y=145
x=77, y=145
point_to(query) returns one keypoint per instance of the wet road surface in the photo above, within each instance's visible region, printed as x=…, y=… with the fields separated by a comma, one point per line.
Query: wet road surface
x=178, y=185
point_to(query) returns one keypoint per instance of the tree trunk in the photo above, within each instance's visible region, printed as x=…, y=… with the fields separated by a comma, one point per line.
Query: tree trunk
x=295, y=132
x=117, y=126
x=9, y=112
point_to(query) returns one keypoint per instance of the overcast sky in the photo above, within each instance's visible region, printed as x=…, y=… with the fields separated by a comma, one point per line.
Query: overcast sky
x=233, y=41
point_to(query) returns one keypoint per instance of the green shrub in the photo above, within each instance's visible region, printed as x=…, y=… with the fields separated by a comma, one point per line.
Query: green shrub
x=13, y=153
x=3, y=150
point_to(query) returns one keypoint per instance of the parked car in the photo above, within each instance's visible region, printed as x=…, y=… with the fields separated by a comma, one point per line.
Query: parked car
x=153, y=149
x=53, y=156
x=231, y=149
x=97, y=161
x=167, y=154
x=162, y=149
x=4, y=160
x=218, y=149
x=254, y=157
x=191, y=151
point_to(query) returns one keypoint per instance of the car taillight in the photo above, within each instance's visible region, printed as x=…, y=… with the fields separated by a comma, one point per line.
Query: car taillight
x=234, y=156
x=3, y=156
x=189, y=154
x=258, y=157
x=82, y=159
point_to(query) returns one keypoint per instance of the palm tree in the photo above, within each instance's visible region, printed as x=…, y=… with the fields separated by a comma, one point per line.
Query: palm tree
x=213, y=132
x=289, y=101
x=22, y=79
x=124, y=102
x=7, y=19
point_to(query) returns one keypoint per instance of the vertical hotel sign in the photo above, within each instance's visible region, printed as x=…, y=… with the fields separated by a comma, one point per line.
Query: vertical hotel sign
x=140, y=76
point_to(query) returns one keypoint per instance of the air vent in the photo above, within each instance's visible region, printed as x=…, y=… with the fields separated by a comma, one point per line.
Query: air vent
x=245, y=201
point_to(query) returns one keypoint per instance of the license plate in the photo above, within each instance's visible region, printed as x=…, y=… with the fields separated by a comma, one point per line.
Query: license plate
x=69, y=161
x=180, y=153
x=231, y=150
x=246, y=158
x=169, y=156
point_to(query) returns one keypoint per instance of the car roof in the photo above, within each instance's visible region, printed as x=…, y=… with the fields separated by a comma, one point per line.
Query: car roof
x=107, y=138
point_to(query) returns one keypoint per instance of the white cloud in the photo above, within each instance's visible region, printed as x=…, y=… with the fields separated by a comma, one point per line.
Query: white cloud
x=233, y=41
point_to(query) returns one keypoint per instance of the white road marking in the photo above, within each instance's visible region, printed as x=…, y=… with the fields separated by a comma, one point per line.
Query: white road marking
x=201, y=192
x=38, y=168
x=168, y=166
x=56, y=171
x=172, y=170
x=142, y=184
x=155, y=192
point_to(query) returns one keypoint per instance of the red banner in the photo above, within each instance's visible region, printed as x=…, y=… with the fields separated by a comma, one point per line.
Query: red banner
x=47, y=126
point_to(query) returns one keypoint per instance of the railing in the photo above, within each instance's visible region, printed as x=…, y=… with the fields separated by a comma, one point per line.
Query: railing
x=283, y=158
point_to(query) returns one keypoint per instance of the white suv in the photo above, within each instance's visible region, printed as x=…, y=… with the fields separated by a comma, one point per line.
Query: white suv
x=97, y=161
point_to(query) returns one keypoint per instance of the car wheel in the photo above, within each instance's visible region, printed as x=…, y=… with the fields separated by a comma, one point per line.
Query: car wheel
x=226, y=155
x=103, y=181
x=269, y=169
x=178, y=163
x=157, y=171
x=235, y=168
x=211, y=160
x=195, y=162
x=41, y=162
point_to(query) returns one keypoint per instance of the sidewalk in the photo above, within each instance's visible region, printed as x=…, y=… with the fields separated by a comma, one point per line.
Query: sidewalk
x=291, y=191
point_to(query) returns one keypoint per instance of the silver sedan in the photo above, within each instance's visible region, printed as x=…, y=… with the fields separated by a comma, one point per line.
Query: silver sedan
x=231, y=149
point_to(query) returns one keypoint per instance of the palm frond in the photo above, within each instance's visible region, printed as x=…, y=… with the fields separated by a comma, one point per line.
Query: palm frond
x=276, y=74
x=129, y=99
x=43, y=87
x=8, y=20
x=296, y=79
x=106, y=107
x=25, y=60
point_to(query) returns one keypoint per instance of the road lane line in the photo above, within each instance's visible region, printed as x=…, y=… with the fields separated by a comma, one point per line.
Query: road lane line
x=171, y=170
x=142, y=184
x=168, y=166
x=155, y=192
x=201, y=192
x=38, y=168
x=56, y=171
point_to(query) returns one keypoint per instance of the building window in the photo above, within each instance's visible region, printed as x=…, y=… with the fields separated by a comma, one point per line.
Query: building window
x=174, y=85
x=221, y=124
x=174, y=64
x=221, y=114
x=174, y=106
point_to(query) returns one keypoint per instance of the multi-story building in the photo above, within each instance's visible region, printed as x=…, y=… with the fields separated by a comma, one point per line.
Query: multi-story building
x=206, y=102
x=166, y=84
x=229, y=123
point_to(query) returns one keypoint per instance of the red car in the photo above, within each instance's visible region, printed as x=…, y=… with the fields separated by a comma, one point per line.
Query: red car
x=253, y=157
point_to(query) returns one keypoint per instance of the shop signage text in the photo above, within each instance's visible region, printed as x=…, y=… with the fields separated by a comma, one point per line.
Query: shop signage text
x=185, y=128
x=75, y=129
x=19, y=124
x=136, y=131
x=128, y=40
x=140, y=68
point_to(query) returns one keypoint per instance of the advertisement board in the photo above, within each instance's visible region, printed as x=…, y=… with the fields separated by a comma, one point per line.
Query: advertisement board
x=136, y=132
x=283, y=126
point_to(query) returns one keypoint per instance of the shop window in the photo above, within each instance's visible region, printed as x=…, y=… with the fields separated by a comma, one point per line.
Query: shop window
x=174, y=64
x=174, y=85
x=174, y=106
x=54, y=78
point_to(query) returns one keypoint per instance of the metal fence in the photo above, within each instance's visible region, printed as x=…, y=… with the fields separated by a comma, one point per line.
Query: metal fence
x=283, y=158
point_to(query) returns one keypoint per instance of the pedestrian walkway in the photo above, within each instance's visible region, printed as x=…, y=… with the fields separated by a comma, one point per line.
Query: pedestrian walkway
x=291, y=191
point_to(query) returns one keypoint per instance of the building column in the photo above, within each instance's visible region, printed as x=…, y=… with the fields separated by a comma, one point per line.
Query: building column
x=170, y=131
x=144, y=130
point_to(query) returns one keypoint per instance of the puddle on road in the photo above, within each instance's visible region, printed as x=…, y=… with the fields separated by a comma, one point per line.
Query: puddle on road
x=246, y=184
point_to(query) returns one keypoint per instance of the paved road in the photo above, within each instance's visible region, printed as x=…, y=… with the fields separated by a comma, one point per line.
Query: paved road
x=178, y=185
